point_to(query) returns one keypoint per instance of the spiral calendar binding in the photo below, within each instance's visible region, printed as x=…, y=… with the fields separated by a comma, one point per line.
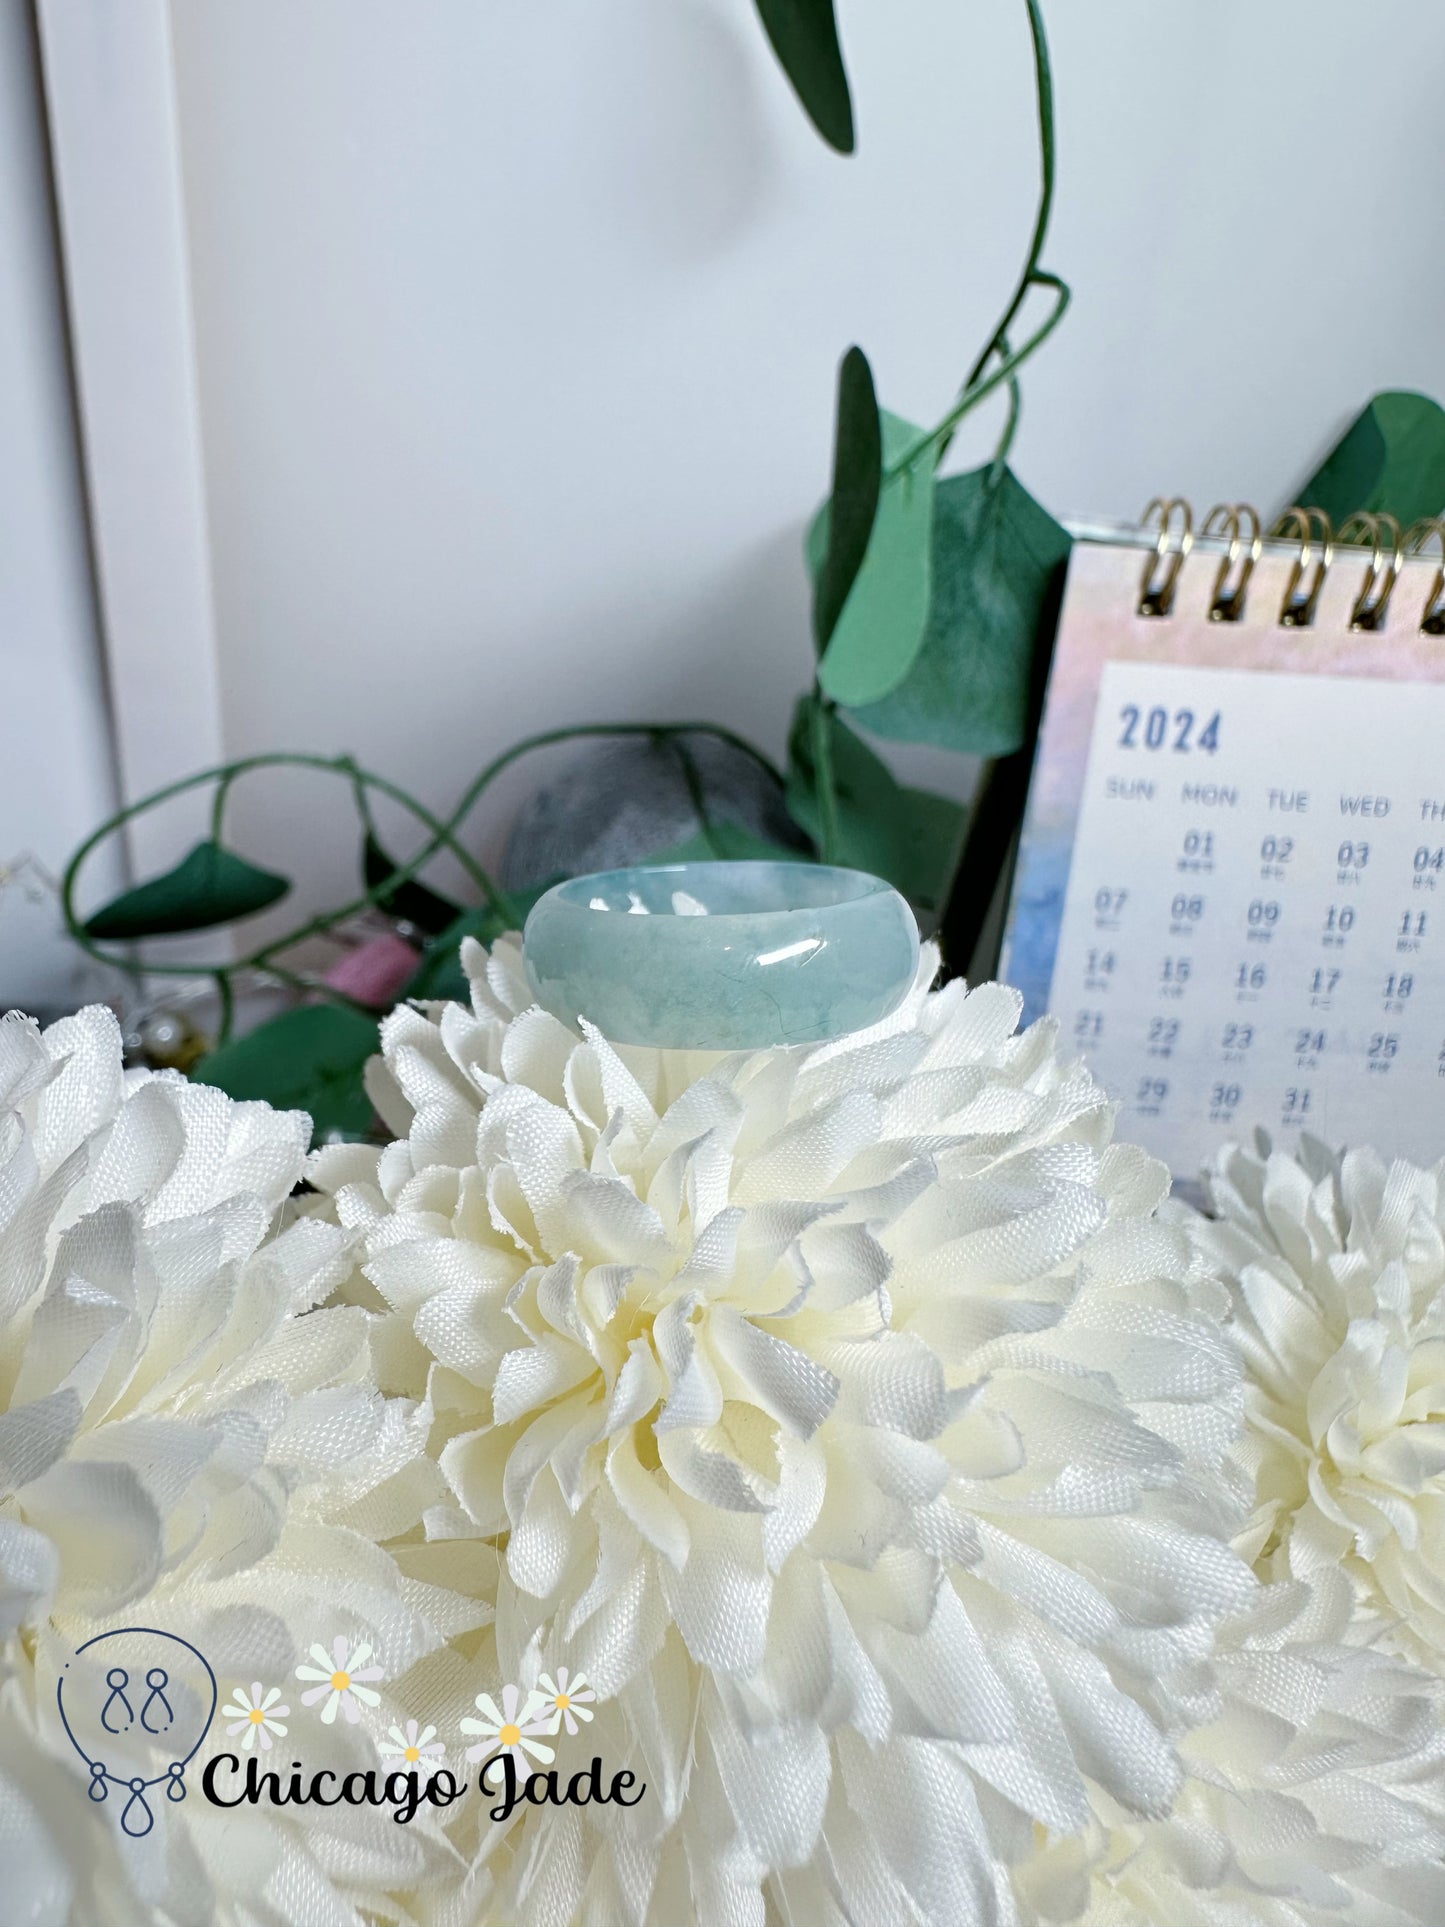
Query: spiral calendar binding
x=1235, y=532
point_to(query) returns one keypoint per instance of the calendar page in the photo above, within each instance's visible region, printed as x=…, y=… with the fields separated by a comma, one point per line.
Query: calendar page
x=1231, y=883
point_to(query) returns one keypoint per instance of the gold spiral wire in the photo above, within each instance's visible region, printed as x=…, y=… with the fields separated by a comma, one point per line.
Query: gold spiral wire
x=1172, y=543
x=1382, y=532
x=1240, y=524
x=1311, y=528
x=1432, y=619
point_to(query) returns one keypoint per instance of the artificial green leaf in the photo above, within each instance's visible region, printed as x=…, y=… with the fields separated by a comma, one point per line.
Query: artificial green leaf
x=728, y=843
x=895, y=433
x=911, y=837
x=212, y=885
x=857, y=479
x=881, y=626
x=804, y=34
x=305, y=1060
x=1390, y=459
x=996, y=559
x=410, y=901
x=439, y=975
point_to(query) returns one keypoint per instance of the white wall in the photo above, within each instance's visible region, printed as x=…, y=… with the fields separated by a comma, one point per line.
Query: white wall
x=517, y=323
x=55, y=770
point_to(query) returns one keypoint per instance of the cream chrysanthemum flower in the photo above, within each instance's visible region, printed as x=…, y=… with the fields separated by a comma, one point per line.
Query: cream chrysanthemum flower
x=189, y=1440
x=844, y=1412
x=1312, y=1797
x=1337, y=1272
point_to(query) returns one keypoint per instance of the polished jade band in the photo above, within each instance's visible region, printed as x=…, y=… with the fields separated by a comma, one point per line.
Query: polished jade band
x=722, y=956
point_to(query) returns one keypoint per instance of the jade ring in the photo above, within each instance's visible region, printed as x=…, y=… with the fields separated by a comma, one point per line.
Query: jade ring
x=722, y=956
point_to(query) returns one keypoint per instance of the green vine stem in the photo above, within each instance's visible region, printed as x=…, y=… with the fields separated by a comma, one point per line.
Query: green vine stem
x=226, y=997
x=1003, y=782
x=218, y=807
x=821, y=732
x=1033, y=276
x=1044, y=94
x=441, y=835
x=226, y=775
x=1010, y=429
x=569, y=732
x=979, y=390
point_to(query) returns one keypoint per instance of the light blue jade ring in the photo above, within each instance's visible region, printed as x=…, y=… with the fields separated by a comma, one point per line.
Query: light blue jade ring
x=722, y=956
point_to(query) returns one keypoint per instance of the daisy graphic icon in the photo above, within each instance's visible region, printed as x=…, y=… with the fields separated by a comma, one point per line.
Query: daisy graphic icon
x=565, y=1699
x=514, y=1731
x=414, y=1748
x=342, y=1674
x=255, y=1716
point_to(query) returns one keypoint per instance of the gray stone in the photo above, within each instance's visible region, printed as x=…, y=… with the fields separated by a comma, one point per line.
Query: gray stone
x=622, y=801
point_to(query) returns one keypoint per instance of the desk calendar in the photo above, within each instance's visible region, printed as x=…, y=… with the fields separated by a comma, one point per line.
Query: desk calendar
x=1231, y=881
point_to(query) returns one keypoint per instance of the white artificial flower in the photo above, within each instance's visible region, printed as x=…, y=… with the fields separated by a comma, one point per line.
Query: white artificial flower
x=256, y=1716
x=1336, y=1268
x=844, y=1412
x=566, y=1698
x=1312, y=1794
x=342, y=1672
x=415, y=1748
x=191, y=1439
x=514, y=1727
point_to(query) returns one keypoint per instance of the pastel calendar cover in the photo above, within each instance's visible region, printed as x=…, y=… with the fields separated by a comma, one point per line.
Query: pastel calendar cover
x=1231, y=879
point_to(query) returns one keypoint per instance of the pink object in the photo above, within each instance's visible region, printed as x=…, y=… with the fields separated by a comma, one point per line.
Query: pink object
x=375, y=972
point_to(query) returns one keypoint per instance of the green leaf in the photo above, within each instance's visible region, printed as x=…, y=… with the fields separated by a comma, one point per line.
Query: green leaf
x=895, y=433
x=996, y=558
x=308, y=1060
x=410, y=901
x=853, y=504
x=728, y=843
x=212, y=885
x=881, y=626
x=911, y=837
x=1391, y=459
x=804, y=34
x=439, y=975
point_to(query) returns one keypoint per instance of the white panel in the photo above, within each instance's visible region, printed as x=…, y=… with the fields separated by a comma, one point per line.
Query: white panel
x=108, y=76
x=56, y=781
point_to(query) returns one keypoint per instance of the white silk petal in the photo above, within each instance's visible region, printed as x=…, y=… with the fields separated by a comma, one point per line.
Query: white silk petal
x=1336, y=1273
x=848, y=1414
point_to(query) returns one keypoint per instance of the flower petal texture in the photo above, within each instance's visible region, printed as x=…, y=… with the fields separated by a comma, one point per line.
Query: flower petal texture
x=191, y=1439
x=847, y=1416
x=842, y=1439
x=1336, y=1273
x=1311, y=1796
